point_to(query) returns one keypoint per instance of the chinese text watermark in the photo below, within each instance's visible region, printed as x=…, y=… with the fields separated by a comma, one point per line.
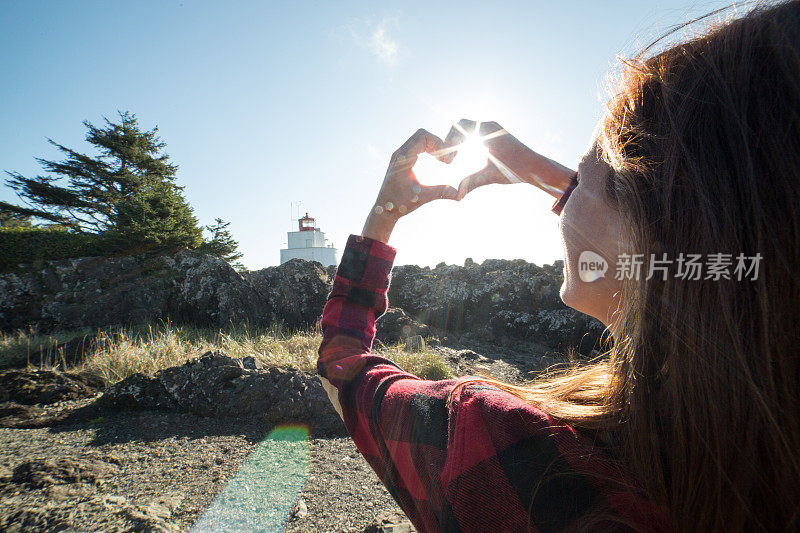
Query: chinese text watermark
x=716, y=266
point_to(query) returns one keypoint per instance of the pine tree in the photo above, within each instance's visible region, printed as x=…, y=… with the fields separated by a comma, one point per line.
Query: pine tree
x=222, y=243
x=126, y=192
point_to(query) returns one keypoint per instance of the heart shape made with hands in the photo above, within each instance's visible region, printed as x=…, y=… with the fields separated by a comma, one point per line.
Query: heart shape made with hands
x=471, y=156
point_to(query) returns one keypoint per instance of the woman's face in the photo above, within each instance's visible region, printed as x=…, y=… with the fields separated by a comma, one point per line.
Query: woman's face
x=591, y=232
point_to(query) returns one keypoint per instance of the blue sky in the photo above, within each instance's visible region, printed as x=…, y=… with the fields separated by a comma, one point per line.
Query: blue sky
x=263, y=104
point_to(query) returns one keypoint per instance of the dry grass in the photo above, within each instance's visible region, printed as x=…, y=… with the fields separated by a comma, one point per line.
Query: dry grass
x=16, y=347
x=426, y=364
x=122, y=352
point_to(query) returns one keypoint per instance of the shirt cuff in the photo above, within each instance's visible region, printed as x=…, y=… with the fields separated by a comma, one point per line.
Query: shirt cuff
x=559, y=204
x=366, y=262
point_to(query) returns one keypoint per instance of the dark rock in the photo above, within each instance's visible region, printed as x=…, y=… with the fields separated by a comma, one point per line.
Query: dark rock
x=394, y=325
x=330, y=270
x=251, y=363
x=497, y=301
x=551, y=327
x=219, y=386
x=11, y=413
x=138, y=391
x=5, y=474
x=295, y=291
x=45, y=386
x=14, y=415
x=468, y=355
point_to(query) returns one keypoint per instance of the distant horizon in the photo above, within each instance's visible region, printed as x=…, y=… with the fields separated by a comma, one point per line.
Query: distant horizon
x=262, y=106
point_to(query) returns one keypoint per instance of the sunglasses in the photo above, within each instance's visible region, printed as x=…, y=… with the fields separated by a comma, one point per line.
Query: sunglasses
x=559, y=205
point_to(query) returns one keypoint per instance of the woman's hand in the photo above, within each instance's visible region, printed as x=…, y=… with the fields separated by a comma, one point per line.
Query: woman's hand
x=510, y=161
x=401, y=193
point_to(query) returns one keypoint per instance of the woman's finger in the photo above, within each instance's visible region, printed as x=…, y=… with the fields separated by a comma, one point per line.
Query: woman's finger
x=422, y=141
x=436, y=192
x=456, y=136
x=485, y=176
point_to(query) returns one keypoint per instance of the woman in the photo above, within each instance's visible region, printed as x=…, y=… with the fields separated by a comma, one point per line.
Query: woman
x=691, y=421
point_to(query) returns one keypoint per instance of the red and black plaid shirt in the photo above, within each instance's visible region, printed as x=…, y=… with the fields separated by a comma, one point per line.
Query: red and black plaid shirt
x=489, y=461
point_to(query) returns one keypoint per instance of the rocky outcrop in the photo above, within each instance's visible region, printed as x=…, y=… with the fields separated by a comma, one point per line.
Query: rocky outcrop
x=498, y=301
x=181, y=286
x=219, y=386
x=40, y=398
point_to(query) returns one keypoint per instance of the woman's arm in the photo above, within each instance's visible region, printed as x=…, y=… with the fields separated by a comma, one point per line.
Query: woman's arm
x=400, y=194
x=379, y=228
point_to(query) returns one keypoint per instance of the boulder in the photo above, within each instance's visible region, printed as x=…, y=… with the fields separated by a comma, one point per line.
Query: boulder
x=394, y=326
x=295, y=292
x=219, y=386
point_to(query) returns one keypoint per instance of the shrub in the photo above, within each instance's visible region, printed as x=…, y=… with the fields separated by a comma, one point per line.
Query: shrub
x=32, y=244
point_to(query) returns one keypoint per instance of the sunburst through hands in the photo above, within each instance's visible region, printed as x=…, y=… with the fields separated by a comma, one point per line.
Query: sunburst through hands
x=472, y=155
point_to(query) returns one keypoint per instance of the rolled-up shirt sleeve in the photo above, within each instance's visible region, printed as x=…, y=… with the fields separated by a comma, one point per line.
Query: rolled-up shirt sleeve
x=383, y=426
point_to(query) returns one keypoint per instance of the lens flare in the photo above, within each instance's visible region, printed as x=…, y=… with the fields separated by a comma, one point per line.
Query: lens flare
x=264, y=490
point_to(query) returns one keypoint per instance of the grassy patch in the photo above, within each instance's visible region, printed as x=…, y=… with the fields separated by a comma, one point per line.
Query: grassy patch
x=18, y=347
x=148, y=350
x=426, y=364
x=122, y=352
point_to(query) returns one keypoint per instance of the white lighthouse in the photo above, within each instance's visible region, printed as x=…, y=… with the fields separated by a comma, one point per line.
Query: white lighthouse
x=309, y=243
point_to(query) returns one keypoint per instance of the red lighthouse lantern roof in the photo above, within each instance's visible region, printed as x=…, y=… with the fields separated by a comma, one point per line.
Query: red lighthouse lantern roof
x=307, y=223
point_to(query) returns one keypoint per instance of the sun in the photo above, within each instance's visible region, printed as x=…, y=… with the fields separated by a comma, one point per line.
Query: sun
x=472, y=155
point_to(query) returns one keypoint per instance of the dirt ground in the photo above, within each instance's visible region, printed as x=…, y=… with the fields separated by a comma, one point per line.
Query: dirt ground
x=168, y=471
x=153, y=471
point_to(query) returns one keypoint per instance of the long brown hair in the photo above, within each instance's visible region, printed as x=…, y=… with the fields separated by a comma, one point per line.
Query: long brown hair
x=702, y=384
